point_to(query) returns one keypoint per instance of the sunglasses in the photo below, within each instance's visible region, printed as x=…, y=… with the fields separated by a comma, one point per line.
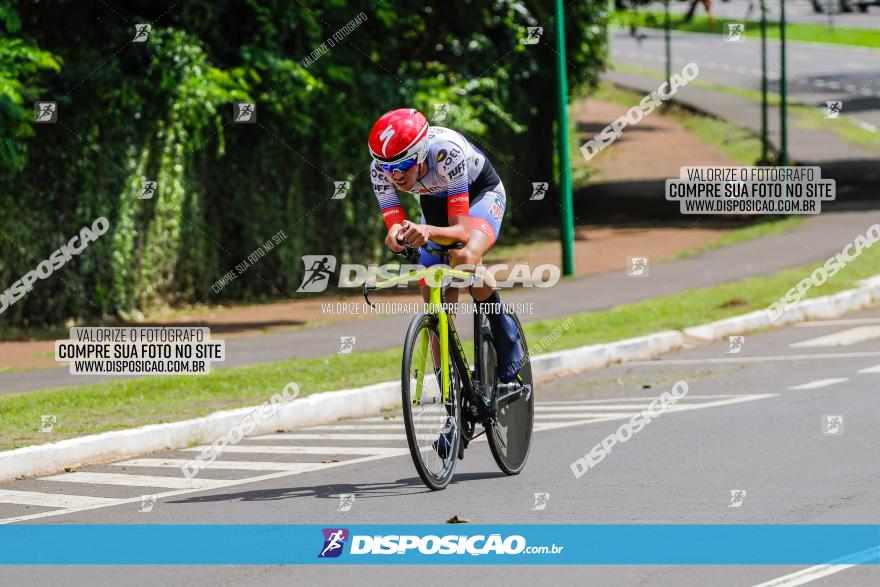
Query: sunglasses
x=402, y=166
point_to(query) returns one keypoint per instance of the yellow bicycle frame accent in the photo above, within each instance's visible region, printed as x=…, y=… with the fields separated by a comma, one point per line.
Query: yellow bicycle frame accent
x=437, y=275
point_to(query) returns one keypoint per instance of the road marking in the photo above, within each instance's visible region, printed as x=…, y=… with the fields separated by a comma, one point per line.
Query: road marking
x=319, y=436
x=137, y=480
x=842, y=338
x=55, y=500
x=398, y=426
x=667, y=362
x=80, y=503
x=874, y=369
x=245, y=481
x=818, y=571
x=233, y=465
x=819, y=383
x=583, y=415
x=305, y=450
x=866, y=125
x=607, y=417
x=843, y=322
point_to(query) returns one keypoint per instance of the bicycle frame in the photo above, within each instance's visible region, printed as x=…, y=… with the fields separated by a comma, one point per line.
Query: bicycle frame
x=444, y=325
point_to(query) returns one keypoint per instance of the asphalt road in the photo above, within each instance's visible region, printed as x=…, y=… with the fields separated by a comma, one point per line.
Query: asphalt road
x=816, y=73
x=757, y=421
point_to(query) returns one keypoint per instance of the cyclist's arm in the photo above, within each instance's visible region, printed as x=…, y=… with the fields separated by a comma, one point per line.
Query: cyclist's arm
x=454, y=169
x=389, y=203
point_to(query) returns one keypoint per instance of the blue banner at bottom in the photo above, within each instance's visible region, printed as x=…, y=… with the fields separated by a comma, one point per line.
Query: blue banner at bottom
x=636, y=544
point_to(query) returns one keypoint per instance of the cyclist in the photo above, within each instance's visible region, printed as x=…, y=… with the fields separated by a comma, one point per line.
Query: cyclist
x=462, y=200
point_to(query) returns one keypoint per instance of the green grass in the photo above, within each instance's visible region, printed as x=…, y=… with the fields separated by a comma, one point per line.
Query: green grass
x=734, y=142
x=800, y=115
x=117, y=405
x=814, y=33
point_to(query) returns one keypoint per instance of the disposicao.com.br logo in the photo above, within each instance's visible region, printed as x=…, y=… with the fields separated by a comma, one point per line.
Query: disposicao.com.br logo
x=429, y=544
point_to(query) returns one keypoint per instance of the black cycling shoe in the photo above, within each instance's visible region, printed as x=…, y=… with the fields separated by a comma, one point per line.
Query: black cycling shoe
x=447, y=438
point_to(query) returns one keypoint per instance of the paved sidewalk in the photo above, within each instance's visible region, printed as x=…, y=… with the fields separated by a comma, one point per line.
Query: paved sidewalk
x=816, y=239
x=805, y=145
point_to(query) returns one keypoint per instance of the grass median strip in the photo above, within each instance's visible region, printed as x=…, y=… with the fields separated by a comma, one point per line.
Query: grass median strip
x=117, y=405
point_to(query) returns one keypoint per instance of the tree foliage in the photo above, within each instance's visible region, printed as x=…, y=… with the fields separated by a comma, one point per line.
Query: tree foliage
x=162, y=110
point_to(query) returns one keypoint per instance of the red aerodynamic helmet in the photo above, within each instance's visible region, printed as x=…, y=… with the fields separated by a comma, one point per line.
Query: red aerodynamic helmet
x=399, y=135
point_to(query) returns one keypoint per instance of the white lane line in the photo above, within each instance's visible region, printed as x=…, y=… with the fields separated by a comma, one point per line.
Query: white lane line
x=398, y=426
x=53, y=500
x=138, y=480
x=232, y=465
x=640, y=399
x=384, y=454
x=583, y=415
x=819, y=383
x=564, y=410
x=342, y=436
x=608, y=417
x=842, y=322
x=305, y=450
x=244, y=481
x=665, y=362
x=867, y=370
x=842, y=338
x=818, y=571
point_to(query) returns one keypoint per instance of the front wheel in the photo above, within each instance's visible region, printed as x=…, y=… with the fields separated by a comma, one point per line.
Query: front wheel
x=433, y=427
x=510, y=434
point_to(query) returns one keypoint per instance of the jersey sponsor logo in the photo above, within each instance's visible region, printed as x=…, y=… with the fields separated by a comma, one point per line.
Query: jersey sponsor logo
x=457, y=170
x=441, y=155
x=458, y=198
x=495, y=212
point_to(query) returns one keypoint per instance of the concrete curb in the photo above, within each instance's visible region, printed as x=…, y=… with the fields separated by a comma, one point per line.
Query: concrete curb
x=364, y=401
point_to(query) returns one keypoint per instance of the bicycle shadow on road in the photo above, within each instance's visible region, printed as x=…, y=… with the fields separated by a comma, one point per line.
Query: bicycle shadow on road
x=411, y=485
